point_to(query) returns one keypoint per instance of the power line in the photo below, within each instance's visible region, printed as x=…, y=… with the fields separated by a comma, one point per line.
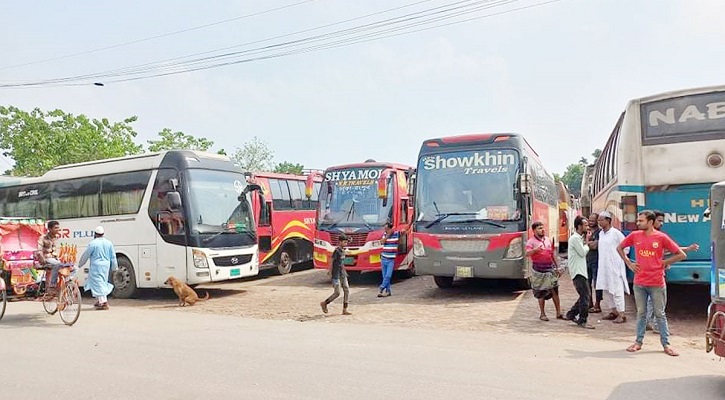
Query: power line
x=163, y=35
x=393, y=27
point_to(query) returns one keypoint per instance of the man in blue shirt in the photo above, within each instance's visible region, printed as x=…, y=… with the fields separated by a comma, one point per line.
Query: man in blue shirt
x=102, y=256
x=387, y=258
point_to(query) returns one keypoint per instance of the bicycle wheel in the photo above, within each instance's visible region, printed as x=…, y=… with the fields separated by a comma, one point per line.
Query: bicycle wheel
x=50, y=306
x=70, y=303
x=4, y=302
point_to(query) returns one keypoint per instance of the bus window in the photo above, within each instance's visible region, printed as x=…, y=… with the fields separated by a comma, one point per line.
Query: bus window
x=77, y=198
x=296, y=194
x=28, y=201
x=123, y=193
x=280, y=194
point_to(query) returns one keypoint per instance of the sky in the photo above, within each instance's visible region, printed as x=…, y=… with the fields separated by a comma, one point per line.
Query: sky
x=558, y=73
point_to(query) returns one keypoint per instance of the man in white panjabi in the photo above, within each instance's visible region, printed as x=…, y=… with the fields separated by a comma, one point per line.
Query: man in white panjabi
x=612, y=276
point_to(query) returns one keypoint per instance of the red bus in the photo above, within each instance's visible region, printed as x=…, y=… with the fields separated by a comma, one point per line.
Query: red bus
x=357, y=200
x=285, y=219
x=569, y=209
x=475, y=199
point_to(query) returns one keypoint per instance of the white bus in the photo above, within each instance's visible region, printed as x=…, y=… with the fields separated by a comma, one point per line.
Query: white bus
x=664, y=154
x=179, y=213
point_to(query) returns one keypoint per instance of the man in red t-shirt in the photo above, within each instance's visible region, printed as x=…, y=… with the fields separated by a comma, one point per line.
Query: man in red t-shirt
x=649, y=279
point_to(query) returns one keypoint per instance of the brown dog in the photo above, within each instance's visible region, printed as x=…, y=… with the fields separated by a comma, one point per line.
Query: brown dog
x=186, y=294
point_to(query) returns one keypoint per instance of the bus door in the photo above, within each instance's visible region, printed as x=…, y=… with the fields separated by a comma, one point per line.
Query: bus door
x=173, y=256
x=262, y=201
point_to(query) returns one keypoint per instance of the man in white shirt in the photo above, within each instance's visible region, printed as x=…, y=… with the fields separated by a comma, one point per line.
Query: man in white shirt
x=612, y=276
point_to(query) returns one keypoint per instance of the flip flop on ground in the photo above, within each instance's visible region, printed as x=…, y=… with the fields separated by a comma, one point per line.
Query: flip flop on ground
x=671, y=352
x=634, y=347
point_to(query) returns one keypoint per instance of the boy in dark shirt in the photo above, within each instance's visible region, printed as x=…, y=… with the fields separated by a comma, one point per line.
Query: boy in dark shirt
x=339, y=277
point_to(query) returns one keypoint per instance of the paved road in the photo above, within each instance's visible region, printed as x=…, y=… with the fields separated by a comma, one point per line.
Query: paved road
x=169, y=354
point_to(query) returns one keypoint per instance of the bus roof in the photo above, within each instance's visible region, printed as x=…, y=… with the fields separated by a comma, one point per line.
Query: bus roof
x=371, y=164
x=275, y=175
x=473, y=138
x=680, y=93
x=172, y=159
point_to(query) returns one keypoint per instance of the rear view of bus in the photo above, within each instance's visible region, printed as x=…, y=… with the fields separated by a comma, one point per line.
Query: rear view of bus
x=475, y=197
x=357, y=200
x=665, y=153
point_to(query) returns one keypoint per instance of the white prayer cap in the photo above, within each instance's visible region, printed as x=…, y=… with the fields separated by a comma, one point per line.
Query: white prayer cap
x=605, y=214
x=99, y=230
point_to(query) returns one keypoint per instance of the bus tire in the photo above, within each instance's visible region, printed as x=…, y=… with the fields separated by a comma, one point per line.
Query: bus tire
x=443, y=282
x=124, y=280
x=522, y=284
x=286, y=259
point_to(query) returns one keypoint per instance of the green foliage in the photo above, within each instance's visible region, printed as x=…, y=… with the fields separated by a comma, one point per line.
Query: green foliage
x=38, y=141
x=254, y=155
x=572, y=178
x=289, y=168
x=178, y=141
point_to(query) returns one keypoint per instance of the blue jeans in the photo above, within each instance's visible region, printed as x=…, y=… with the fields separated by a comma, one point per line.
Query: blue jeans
x=651, y=310
x=658, y=296
x=387, y=268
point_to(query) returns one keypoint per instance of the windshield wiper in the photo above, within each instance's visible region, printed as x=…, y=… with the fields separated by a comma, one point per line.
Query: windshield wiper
x=441, y=217
x=485, y=221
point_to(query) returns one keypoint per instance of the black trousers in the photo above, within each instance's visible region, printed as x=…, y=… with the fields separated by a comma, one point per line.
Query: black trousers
x=581, y=307
x=592, y=271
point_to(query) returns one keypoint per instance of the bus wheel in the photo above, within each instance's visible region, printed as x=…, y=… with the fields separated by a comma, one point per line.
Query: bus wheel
x=443, y=282
x=124, y=280
x=284, y=266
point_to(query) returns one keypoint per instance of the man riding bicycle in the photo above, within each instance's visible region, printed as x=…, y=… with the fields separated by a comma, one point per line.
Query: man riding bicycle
x=48, y=257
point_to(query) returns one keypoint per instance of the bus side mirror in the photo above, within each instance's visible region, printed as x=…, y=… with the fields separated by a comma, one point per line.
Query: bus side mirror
x=310, y=185
x=174, y=200
x=525, y=183
x=383, y=184
x=411, y=184
x=252, y=187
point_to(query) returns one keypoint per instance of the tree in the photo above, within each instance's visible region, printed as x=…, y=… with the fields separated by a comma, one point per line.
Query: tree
x=254, y=155
x=289, y=168
x=178, y=141
x=38, y=141
x=572, y=178
x=596, y=153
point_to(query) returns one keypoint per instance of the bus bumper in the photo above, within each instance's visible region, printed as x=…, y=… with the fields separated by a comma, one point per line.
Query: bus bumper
x=694, y=272
x=481, y=267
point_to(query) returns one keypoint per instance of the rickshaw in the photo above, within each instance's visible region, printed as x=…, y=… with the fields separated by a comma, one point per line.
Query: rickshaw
x=715, y=333
x=22, y=278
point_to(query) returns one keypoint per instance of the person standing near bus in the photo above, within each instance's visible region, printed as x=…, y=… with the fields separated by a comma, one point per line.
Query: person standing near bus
x=652, y=324
x=612, y=275
x=102, y=256
x=387, y=258
x=592, y=240
x=649, y=275
x=577, y=262
x=339, y=277
x=545, y=274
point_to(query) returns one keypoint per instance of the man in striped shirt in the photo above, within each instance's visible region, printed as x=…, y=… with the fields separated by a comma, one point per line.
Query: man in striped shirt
x=387, y=258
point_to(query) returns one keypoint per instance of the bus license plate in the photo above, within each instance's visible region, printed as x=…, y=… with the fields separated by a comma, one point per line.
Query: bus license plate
x=464, y=272
x=349, y=261
x=235, y=272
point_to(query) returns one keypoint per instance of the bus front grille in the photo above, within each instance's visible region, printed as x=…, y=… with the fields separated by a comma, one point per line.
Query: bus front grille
x=231, y=261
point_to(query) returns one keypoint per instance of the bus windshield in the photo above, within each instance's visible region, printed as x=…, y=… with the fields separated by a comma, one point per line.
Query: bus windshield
x=468, y=185
x=214, y=203
x=350, y=198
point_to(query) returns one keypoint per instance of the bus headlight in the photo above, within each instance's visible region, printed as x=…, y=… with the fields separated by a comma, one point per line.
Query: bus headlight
x=418, y=249
x=199, y=259
x=376, y=243
x=515, y=249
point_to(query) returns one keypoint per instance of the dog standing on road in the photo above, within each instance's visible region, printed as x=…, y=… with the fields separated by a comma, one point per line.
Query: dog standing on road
x=186, y=294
